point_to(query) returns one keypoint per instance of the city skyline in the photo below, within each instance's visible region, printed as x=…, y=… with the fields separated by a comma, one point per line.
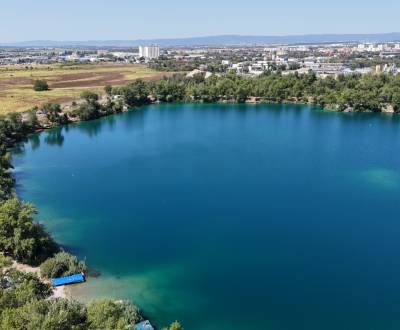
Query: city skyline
x=98, y=20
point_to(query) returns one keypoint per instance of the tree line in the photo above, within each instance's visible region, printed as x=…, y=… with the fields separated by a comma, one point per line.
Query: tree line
x=344, y=93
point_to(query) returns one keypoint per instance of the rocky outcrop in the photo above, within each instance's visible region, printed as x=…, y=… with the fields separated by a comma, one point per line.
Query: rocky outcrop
x=388, y=108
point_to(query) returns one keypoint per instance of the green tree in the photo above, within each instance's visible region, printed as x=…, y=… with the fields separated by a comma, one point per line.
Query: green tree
x=18, y=288
x=20, y=237
x=40, y=85
x=89, y=96
x=54, y=114
x=109, y=90
x=111, y=315
x=45, y=315
x=91, y=108
x=4, y=261
x=6, y=180
x=62, y=264
x=32, y=121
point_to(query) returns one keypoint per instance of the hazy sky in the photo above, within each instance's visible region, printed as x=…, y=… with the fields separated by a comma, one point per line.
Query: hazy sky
x=22, y=20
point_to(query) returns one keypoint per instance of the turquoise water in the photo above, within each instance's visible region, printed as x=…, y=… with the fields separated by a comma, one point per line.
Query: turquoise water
x=229, y=216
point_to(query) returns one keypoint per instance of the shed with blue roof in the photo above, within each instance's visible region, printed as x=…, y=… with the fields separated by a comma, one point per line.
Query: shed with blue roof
x=145, y=325
x=77, y=278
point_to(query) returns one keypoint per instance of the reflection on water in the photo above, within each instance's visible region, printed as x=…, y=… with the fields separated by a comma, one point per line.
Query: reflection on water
x=54, y=137
x=34, y=140
x=94, y=127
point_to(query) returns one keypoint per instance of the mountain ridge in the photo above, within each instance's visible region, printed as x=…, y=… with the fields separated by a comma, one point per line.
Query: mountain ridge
x=217, y=40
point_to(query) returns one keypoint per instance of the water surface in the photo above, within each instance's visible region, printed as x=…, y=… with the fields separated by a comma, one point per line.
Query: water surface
x=229, y=216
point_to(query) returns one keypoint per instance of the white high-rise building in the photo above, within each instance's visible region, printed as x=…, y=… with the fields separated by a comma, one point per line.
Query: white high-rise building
x=149, y=52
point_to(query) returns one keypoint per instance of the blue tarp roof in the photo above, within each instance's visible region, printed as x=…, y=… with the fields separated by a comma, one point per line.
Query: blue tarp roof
x=145, y=325
x=77, y=278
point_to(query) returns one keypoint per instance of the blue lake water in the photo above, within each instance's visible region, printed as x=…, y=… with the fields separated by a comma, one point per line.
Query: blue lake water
x=276, y=217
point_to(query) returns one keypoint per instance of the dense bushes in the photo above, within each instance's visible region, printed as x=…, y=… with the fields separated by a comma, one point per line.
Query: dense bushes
x=5, y=261
x=24, y=304
x=13, y=128
x=45, y=315
x=351, y=92
x=69, y=315
x=136, y=93
x=18, y=288
x=54, y=114
x=90, y=109
x=40, y=85
x=111, y=315
x=62, y=264
x=20, y=237
x=6, y=180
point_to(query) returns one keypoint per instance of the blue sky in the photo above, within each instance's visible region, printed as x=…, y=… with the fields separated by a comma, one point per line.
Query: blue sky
x=22, y=20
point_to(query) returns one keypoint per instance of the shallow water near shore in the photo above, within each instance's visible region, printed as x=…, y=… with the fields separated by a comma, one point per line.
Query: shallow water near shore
x=278, y=217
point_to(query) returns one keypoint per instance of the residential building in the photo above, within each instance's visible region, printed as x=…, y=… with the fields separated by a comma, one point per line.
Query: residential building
x=149, y=52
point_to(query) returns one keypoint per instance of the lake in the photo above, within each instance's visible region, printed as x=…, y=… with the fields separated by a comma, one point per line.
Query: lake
x=280, y=217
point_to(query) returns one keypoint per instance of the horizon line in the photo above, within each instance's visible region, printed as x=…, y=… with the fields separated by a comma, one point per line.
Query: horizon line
x=207, y=36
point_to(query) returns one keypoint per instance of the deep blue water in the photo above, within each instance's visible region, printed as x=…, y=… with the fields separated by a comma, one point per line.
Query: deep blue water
x=276, y=217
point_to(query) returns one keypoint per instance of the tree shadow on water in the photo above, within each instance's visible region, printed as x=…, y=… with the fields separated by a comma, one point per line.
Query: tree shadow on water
x=54, y=137
x=92, y=128
x=34, y=141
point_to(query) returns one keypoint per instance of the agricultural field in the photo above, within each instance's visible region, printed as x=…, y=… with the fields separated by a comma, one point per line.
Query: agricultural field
x=66, y=82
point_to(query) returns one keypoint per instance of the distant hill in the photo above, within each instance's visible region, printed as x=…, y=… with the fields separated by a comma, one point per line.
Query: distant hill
x=217, y=40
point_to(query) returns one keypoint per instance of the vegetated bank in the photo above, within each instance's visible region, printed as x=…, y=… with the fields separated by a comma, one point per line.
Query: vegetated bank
x=23, y=297
x=353, y=92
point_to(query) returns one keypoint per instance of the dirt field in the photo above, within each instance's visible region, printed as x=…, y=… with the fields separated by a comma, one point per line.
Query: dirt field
x=66, y=82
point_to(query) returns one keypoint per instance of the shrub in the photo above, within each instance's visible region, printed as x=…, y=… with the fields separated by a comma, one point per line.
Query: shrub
x=89, y=96
x=112, y=315
x=54, y=114
x=5, y=261
x=46, y=315
x=62, y=264
x=31, y=119
x=6, y=179
x=90, y=109
x=108, y=89
x=18, y=288
x=40, y=85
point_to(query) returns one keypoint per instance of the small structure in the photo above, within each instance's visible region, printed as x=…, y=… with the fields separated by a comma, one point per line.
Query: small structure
x=145, y=325
x=77, y=278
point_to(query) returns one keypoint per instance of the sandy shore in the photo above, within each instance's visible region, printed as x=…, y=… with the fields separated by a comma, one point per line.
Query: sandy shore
x=58, y=292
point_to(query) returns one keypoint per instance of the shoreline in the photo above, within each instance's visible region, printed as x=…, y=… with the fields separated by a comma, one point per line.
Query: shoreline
x=71, y=121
